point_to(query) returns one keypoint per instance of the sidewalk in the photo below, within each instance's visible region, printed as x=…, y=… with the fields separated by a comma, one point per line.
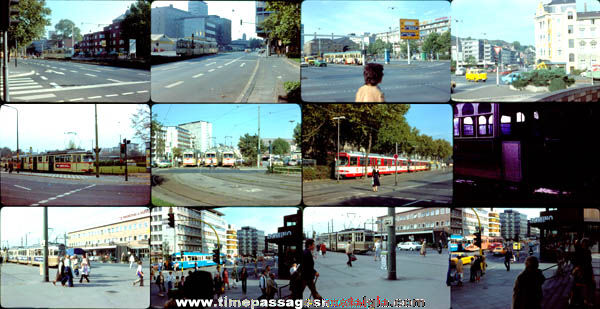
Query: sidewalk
x=17, y=71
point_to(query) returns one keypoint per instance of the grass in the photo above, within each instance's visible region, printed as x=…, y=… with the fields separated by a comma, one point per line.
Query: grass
x=295, y=59
x=120, y=169
x=160, y=203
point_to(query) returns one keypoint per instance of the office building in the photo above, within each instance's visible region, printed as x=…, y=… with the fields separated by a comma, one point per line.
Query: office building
x=232, y=242
x=197, y=8
x=435, y=223
x=177, y=137
x=513, y=224
x=251, y=241
x=201, y=132
x=493, y=224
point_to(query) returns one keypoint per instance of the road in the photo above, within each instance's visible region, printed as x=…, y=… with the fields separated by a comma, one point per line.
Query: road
x=64, y=81
x=193, y=186
x=422, y=188
x=66, y=189
x=110, y=287
x=418, y=82
x=227, y=77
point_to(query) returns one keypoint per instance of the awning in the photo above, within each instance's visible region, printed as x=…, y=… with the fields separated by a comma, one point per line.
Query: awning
x=99, y=247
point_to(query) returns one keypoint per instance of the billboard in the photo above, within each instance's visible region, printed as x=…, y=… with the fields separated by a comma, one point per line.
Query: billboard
x=409, y=29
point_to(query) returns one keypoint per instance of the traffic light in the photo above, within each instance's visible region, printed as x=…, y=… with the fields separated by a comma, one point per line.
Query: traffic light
x=216, y=256
x=171, y=220
x=10, y=9
x=122, y=148
x=478, y=239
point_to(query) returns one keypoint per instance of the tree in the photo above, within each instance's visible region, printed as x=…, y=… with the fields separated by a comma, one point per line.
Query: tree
x=177, y=152
x=517, y=45
x=5, y=152
x=280, y=146
x=378, y=47
x=471, y=60
x=33, y=18
x=141, y=122
x=298, y=135
x=255, y=43
x=283, y=24
x=414, y=47
x=444, y=44
x=136, y=25
x=431, y=44
x=247, y=145
x=64, y=30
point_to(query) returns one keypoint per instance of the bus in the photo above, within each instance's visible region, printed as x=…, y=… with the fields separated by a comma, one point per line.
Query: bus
x=193, y=259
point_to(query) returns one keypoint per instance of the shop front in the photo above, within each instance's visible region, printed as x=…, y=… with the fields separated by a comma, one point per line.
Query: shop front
x=289, y=241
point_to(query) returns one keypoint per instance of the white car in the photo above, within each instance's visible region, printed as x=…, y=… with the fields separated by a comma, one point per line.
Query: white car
x=164, y=163
x=460, y=71
x=409, y=245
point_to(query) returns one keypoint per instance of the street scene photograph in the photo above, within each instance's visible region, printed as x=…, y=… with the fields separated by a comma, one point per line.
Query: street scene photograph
x=375, y=51
x=520, y=153
x=377, y=154
x=225, y=51
x=75, y=257
x=74, y=154
x=226, y=155
x=525, y=258
x=376, y=256
x=547, y=52
x=225, y=257
x=77, y=51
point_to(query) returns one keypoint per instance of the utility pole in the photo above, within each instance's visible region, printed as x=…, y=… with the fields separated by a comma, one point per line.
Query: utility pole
x=338, y=146
x=97, y=150
x=17, y=119
x=5, y=71
x=258, y=142
x=45, y=245
x=391, y=245
x=396, y=163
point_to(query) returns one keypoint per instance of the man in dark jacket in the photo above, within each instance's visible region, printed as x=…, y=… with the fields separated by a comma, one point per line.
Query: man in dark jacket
x=308, y=272
x=527, y=292
x=507, y=258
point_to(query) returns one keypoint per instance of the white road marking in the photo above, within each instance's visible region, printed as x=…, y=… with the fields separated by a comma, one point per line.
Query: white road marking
x=43, y=202
x=114, y=80
x=62, y=69
x=72, y=71
x=37, y=74
x=174, y=84
x=62, y=195
x=95, y=97
x=37, y=96
x=92, y=75
x=279, y=76
x=197, y=75
x=209, y=64
x=78, y=99
x=126, y=93
x=44, y=77
x=56, y=72
x=243, y=64
x=143, y=74
x=25, y=87
x=22, y=187
x=55, y=85
x=232, y=61
x=54, y=67
x=111, y=95
x=11, y=85
x=219, y=67
x=211, y=70
x=90, y=69
x=51, y=198
x=142, y=91
x=79, y=87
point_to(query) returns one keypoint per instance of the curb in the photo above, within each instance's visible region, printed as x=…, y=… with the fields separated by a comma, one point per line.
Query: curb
x=21, y=74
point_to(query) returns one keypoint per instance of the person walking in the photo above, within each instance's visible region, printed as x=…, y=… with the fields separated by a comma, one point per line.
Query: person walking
x=244, y=279
x=218, y=283
x=459, y=271
x=307, y=272
x=349, y=252
x=169, y=281
x=527, y=291
x=423, y=248
x=376, y=182
x=440, y=246
x=370, y=91
x=271, y=286
x=140, y=274
x=131, y=260
x=67, y=275
x=323, y=249
x=507, y=258
x=59, y=271
x=226, y=279
x=160, y=281
x=377, y=249
x=74, y=264
x=262, y=284
x=234, y=275
x=85, y=269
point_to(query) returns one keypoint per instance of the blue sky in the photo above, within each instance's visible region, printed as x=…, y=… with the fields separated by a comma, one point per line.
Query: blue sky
x=343, y=17
x=266, y=219
x=234, y=119
x=91, y=13
x=434, y=120
x=508, y=20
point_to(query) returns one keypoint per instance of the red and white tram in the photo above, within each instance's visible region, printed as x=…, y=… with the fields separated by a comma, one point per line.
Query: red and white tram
x=68, y=161
x=353, y=165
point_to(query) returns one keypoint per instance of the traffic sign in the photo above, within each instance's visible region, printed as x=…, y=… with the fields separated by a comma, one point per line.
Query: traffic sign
x=409, y=29
x=396, y=156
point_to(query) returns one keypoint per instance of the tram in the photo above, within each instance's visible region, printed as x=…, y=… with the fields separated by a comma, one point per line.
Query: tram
x=189, y=158
x=226, y=158
x=347, y=57
x=352, y=164
x=210, y=158
x=191, y=259
x=188, y=47
x=34, y=255
x=68, y=161
x=361, y=239
x=59, y=53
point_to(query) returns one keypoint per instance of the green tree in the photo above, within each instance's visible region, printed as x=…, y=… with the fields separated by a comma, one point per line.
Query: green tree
x=443, y=43
x=431, y=45
x=247, y=145
x=33, y=17
x=64, y=29
x=378, y=47
x=255, y=43
x=280, y=146
x=414, y=48
x=471, y=60
x=283, y=24
x=517, y=45
x=141, y=122
x=136, y=25
x=298, y=135
x=5, y=152
x=177, y=152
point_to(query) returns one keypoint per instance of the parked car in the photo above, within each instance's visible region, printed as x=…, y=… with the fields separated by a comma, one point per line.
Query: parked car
x=409, y=245
x=476, y=75
x=460, y=71
x=511, y=77
x=320, y=63
x=292, y=162
x=164, y=163
x=303, y=64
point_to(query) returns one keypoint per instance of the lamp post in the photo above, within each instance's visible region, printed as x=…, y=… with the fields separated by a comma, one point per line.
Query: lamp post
x=17, y=131
x=338, y=146
x=457, y=43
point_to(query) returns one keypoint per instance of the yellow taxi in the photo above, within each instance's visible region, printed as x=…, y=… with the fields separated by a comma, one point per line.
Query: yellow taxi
x=476, y=75
x=466, y=259
x=500, y=250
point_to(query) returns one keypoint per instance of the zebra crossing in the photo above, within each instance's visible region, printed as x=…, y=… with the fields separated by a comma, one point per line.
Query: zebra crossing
x=22, y=85
x=64, y=176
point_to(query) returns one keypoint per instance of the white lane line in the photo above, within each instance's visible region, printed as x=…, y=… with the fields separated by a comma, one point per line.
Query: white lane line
x=111, y=95
x=78, y=99
x=91, y=70
x=92, y=75
x=210, y=64
x=43, y=202
x=11, y=85
x=72, y=71
x=51, y=198
x=34, y=205
x=197, y=75
x=37, y=74
x=114, y=80
x=174, y=84
x=95, y=97
x=22, y=187
x=25, y=87
x=54, y=68
x=219, y=67
x=55, y=85
x=78, y=87
x=232, y=61
x=62, y=195
x=56, y=72
x=44, y=77
x=243, y=64
x=62, y=69
x=126, y=93
x=143, y=91
x=36, y=97
x=211, y=70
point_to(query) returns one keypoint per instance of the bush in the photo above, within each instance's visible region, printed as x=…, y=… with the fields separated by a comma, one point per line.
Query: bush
x=577, y=72
x=520, y=83
x=557, y=84
x=292, y=89
x=316, y=172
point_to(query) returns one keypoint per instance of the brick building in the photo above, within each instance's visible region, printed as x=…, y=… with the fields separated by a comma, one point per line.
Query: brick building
x=108, y=40
x=425, y=223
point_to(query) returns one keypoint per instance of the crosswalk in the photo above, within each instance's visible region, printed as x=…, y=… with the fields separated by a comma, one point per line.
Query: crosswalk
x=64, y=176
x=22, y=85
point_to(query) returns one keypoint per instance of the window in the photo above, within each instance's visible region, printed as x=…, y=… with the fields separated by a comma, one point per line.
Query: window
x=505, y=124
x=456, y=127
x=571, y=43
x=571, y=57
x=570, y=15
x=468, y=126
x=570, y=29
x=520, y=117
x=482, y=125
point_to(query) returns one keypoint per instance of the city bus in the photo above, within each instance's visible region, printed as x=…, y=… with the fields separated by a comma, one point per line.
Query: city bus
x=193, y=259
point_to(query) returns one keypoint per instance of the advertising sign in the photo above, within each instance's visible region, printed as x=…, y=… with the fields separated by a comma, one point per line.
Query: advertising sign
x=62, y=165
x=409, y=29
x=132, y=46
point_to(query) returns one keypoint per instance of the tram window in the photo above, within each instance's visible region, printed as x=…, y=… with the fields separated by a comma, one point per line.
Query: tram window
x=467, y=109
x=456, y=127
x=505, y=124
x=482, y=125
x=491, y=125
x=536, y=115
x=363, y=161
x=468, y=126
x=520, y=117
x=484, y=108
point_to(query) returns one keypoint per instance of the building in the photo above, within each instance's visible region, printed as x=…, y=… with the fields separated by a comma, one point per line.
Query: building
x=223, y=29
x=232, y=242
x=198, y=27
x=261, y=14
x=320, y=46
x=177, y=136
x=471, y=222
x=472, y=48
x=201, y=131
x=167, y=20
x=198, y=8
x=251, y=242
x=532, y=232
x=438, y=25
x=161, y=43
x=513, y=224
x=191, y=231
x=587, y=40
x=108, y=40
x=493, y=224
x=116, y=238
x=425, y=223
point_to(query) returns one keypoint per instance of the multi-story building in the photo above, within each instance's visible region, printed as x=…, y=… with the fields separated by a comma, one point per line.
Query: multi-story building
x=198, y=8
x=222, y=30
x=198, y=27
x=167, y=20
x=107, y=40
x=232, y=242
x=587, y=40
x=261, y=14
x=320, y=46
x=425, y=223
x=116, y=238
x=493, y=224
x=471, y=223
x=210, y=239
x=532, y=231
x=201, y=132
x=513, y=224
x=251, y=242
x=472, y=48
x=177, y=136
x=438, y=25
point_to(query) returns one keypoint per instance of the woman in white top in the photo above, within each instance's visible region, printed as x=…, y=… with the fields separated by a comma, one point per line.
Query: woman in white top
x=67, y=274
x=85, y=269
x=59, y=271
x=377, y=249
x=140, y=274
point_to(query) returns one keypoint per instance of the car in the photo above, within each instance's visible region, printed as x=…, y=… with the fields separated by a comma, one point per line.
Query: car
x=303, y=64
x=320, y=63
x=460, y=71
x=493, y=246
x=511, y=77
x=409, y=245
x=292, y=162
x=500, y=250
x=476, y=75
x=466, y=259
x=164, y=163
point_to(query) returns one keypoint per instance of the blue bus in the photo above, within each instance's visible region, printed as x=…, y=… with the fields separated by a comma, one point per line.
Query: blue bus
x=191, y=259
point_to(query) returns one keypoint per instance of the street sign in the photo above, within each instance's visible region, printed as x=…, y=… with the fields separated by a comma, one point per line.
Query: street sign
x=497, y=49
x=396, y=156
x=409, y=29
x=388, y=221
x=132, y=46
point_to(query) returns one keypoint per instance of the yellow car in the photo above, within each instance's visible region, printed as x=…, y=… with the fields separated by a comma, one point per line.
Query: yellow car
x=499, y=250
x=476, y=75
x=466, y=259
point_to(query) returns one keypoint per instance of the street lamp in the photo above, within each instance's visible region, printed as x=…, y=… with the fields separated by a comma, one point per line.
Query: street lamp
x=338, y=146
x=457, y=42
x=17, y=132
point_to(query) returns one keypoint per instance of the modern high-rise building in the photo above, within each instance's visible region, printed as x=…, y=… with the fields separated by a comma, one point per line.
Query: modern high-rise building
x=232, y=242
x=167, y=20
x=197, y=8
x=261, y=14
x=494, y=224
x=471, y=222
x=202, y=132
x=177, y=136
x=251, y=241
x=513, y=224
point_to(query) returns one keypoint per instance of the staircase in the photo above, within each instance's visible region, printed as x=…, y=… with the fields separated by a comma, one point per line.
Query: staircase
x=556, y=289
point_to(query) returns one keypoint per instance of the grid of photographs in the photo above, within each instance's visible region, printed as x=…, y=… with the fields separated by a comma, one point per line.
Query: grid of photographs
x=299, y=154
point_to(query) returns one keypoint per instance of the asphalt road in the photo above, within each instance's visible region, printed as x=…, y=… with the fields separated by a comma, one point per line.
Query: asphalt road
x=39, y=190
x=64, y=81
x=417, y=189
x=418, y=82
x=110, y=286
x=227, y=77
x=226, y=187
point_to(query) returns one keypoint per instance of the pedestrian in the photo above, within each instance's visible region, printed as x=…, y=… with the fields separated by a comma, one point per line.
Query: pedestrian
x=349, y=252
x=235, y=275
x=370, y=92
x=169, y=281
x=10, y=167
x=527, y=291
x=271, y=286
x=59, y=271
x=85, y=269
x=244, y=278
x=140, y=274
x=226, y=279
x=375, y=179
x=293, y=268
x=323, y=249
x=218, y=284
x=160, y=281
x=131, y=260
x=507, y=258
x=440, y=247
x=67, y=275
x=423, y=248
x=262, y=284
x=181, y=283
x=377, y=249
x=75, y=265
x=160, y=265
x=459, y=271
x=307, y=273
x=256, y=274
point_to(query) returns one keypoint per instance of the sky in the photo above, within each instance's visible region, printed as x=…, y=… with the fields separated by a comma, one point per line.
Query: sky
x=234, y=119
x=343, y=17
x=16, y=222
x=232, y=10
x=90, y=13
x=317, y=218
x=508, y=20
x=46, y=126
x=434, y=120
x=266, y=219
